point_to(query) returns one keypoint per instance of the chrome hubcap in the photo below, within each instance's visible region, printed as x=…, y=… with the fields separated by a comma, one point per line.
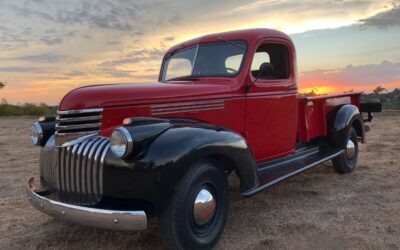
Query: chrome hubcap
x=350, y=149
x=204, y=207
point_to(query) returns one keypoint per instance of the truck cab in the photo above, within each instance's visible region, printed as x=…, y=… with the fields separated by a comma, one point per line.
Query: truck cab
x=117, y=155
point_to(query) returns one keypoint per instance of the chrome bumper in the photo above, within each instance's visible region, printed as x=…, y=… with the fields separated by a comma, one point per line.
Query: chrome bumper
x=109, y=219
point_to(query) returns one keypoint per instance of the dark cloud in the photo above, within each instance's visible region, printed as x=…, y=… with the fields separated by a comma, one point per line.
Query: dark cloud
x=113, y=42
x=102, y=14
x=383, y=20
x=10, y=40
x=76, y=73
x=370, y=74
x=135, y=17
x=18, y=69
x=41, y=58
x=136, y=56
x=51, y=41
x=151, y=70
x=3, y=28
x=50, y=31
x=169, y=39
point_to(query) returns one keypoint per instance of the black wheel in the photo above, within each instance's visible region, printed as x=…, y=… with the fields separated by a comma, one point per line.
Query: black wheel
x=347, y=162
x=195, y=215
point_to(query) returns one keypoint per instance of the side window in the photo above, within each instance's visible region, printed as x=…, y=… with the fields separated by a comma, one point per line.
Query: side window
x=178, y=67
x=232, y=63
x=259, y=58
x=276, y=56
x=180, y=64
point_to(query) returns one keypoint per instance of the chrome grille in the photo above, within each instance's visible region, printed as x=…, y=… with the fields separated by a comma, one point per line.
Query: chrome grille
x=74, y=174
x=71, y=124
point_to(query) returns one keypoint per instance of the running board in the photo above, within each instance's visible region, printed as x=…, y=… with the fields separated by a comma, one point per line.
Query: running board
x=273, y=172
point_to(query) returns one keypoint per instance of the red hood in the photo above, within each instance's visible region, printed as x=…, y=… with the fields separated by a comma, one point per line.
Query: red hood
x=131, y=94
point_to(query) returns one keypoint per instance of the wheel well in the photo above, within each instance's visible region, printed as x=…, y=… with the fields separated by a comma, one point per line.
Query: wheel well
x=358, y=127
x=227, y=164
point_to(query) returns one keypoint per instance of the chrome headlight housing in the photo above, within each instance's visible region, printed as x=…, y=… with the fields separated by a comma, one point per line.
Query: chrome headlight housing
x=121, y=142
x=36, y=134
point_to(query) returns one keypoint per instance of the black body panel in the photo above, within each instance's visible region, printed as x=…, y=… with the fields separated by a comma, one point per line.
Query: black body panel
x=152, y=174
x=347, y=115
x=371, y=107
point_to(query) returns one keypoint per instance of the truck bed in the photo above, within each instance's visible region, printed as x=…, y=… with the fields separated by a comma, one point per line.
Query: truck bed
x=314, y=113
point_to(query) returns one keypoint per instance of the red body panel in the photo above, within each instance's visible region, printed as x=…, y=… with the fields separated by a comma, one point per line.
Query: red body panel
x=271, y=116
x=314, y=113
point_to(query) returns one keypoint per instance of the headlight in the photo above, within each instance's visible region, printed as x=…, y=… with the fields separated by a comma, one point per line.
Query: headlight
x=36, y=134
x=121, y=142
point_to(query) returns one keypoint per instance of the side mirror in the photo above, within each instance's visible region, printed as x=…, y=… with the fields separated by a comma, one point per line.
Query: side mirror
x=266, y=69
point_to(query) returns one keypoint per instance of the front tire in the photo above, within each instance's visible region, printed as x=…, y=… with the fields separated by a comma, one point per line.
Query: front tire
x=195, y=216
x=347, y=162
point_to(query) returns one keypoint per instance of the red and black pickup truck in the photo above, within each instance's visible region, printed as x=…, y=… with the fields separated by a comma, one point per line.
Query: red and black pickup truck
x=118, y=155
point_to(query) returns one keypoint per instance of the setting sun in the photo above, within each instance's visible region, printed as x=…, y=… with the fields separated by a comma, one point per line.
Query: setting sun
x=319, y=90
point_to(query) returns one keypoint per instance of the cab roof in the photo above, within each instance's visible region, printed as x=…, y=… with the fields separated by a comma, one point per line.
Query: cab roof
x=249, y=35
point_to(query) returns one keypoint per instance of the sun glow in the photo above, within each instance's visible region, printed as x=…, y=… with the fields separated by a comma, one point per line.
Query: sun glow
x=318, y=90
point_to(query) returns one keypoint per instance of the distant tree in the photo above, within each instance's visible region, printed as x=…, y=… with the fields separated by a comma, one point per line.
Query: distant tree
x=379, y=90
x=2, y=85
x=389, y=99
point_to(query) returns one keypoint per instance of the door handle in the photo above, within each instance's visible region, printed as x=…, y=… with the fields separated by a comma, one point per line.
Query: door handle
x=293, y=87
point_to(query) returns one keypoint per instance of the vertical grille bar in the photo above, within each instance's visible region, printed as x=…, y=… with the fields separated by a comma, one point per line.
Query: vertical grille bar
x=74, y=174
x=80, y=165
x=63, y=159
x=77, y=169
x=102, y=167
x=89, y=168
x=96, y=169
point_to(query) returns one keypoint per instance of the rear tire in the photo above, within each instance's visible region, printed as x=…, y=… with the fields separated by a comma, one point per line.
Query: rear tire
x=347, y=162
x=195, y=216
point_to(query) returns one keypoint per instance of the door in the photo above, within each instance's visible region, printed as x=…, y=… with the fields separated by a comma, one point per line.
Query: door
x=271, y=109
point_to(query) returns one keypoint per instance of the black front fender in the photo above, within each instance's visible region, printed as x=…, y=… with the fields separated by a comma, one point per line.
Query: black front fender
x=158, y=168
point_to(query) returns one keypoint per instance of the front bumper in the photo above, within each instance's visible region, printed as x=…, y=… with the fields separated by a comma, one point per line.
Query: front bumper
x=108, y=219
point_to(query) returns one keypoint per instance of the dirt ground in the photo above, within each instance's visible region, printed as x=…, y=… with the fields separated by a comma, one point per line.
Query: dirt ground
x=318, y=209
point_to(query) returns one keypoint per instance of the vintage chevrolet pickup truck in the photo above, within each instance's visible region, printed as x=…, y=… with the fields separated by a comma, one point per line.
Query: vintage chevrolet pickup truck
x=118, y=155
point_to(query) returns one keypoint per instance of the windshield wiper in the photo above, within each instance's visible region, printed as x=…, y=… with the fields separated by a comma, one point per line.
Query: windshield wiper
x=182, y=78
x=230, y=42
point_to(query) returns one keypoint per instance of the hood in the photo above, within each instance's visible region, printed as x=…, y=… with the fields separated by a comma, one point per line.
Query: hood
x=103, y=96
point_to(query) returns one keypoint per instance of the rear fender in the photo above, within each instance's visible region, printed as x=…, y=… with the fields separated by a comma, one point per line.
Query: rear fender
x=347, y=116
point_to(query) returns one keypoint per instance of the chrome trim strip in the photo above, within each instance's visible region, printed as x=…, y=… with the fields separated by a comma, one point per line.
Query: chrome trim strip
x=78, y=111
x=192, y=110
x=102, y=218
x=72, y=124
x=79, y=119
x=77, y=126
x=78, y=140
x=187, y=107
x=180, y=104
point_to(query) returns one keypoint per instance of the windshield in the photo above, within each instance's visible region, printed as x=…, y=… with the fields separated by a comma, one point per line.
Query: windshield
x=213, y=59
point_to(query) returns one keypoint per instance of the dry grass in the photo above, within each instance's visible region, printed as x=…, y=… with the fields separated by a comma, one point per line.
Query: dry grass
x=318, y=209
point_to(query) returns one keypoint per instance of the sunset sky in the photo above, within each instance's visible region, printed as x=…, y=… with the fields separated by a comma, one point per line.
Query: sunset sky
x=49, y=47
